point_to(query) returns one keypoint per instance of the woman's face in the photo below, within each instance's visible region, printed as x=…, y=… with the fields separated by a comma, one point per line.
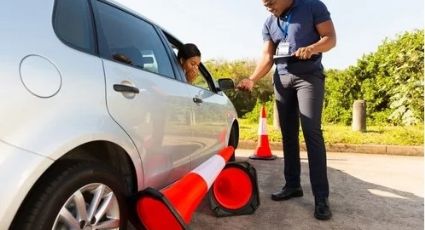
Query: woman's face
x=191, y=67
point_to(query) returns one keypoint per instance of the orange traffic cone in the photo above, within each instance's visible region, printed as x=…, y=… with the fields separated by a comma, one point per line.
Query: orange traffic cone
x=235, y=191
x=263, y=151
x=172, y=207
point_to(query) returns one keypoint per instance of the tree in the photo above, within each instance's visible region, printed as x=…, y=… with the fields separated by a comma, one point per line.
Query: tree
x=341, y=89
x=392, y=79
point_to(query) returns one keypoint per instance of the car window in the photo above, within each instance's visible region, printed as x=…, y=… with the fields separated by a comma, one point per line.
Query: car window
x=73, y=24
x=130, y=40
x=200, y=80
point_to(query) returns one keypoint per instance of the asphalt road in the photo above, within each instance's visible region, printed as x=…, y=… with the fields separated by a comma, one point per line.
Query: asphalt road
x=366, y=192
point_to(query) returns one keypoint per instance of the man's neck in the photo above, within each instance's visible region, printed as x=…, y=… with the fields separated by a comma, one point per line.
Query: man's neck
x=288, y=5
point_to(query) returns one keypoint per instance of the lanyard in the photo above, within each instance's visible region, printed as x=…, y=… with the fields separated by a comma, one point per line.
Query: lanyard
x=285, y=26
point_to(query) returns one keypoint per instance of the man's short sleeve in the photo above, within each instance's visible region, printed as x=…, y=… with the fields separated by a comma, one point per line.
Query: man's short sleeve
x=266, y=32
x=320, y=12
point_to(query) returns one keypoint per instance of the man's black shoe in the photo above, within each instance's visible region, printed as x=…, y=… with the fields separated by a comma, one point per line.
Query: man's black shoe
x=287, y=193
x=321, y=209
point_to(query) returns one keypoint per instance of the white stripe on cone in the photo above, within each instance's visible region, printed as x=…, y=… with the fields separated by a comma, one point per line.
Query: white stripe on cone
x=174, y=210
x=210, y=169
x=262, y=128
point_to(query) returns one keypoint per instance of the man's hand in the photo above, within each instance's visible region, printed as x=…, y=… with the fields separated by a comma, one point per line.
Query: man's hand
x=327, y=41
x=304, y=52
x=245, y=84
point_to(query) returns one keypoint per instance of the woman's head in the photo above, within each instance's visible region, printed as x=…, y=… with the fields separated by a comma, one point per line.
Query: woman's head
x=190, y=58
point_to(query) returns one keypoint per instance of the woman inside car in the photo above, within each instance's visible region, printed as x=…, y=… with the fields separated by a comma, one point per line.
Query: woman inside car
x=190, y=58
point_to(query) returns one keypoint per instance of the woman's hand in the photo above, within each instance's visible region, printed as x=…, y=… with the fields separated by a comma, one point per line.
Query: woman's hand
x=191, y=76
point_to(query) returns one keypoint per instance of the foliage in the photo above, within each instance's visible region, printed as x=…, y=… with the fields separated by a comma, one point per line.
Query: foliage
x=341, y=89
x=392, y=80
x=407, y=69
x=335, y=134
x=254, y=115
x=237, y=70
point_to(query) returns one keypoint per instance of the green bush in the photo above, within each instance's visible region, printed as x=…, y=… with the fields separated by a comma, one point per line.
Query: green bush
x=243, y=101
x=254, y=115
x=390, y=80
x=341, y=89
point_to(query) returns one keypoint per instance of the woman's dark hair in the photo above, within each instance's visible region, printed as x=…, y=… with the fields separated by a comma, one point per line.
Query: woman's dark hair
x=188, y=50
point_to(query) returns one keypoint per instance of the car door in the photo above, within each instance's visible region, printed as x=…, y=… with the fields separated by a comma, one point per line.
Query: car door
x=210, y=115
x=209, y=120
x=142, y=93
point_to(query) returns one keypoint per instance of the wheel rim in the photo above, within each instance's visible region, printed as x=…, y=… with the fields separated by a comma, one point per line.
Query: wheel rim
x=93, y=206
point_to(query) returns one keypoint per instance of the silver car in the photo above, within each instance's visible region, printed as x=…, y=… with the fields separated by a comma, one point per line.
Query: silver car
x=94, y=108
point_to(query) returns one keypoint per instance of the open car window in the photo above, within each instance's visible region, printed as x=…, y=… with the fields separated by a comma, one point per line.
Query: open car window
x=201, y=80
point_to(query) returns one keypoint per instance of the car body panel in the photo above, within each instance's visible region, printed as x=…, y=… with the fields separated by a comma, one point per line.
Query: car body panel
x=77, y=114
x=162, y=131
x=209, y=123
x=156, y=119
x=15, y=186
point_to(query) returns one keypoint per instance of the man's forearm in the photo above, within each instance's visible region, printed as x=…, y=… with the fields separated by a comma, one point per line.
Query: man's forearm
x=263, y=67
x=324, y=44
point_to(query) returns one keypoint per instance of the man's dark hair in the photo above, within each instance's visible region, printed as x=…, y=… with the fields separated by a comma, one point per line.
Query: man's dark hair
x=188, y=50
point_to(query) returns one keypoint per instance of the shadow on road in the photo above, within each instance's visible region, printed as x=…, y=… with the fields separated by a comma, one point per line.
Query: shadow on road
x=356, y=204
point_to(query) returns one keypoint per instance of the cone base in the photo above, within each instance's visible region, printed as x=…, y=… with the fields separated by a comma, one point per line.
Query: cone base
x=155, y=211
x=256, y=157
x=222, y=195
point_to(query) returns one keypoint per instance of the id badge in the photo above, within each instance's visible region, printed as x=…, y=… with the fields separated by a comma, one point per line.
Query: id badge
x=283, y=49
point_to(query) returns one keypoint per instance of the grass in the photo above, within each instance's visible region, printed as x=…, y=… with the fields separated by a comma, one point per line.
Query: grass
x=336, y=134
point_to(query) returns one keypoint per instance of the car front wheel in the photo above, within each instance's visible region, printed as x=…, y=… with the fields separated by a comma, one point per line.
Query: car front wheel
x=83, y=195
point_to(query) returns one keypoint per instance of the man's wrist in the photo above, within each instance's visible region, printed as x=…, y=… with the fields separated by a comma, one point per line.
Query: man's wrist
x=313, y=49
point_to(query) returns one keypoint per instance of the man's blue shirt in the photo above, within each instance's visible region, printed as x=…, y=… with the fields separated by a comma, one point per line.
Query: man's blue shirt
x=304, y=15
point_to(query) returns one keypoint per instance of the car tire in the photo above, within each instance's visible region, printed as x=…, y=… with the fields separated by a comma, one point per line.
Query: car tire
x=69, y=185
x=233, y=141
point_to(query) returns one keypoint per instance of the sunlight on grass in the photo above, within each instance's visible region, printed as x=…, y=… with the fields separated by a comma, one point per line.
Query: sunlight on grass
x=334, y=134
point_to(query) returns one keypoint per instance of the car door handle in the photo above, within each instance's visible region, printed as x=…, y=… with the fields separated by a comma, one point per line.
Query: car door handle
x=125, y=88
x=197, y=100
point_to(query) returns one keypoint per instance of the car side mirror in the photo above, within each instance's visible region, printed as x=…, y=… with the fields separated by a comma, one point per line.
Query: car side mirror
x=226, y=83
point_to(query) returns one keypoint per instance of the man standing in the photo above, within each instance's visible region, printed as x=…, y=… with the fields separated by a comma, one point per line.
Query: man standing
x=295, y=35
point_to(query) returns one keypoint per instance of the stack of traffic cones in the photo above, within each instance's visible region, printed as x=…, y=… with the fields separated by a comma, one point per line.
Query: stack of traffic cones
x=234, y=192
x=172, y=207
x=263, y=151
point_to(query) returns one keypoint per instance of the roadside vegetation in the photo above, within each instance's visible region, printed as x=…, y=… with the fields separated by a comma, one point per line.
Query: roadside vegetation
x=336, y=134
x=390, y=80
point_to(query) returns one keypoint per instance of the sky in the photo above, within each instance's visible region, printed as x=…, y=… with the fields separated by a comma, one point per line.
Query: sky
x=231, y=29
